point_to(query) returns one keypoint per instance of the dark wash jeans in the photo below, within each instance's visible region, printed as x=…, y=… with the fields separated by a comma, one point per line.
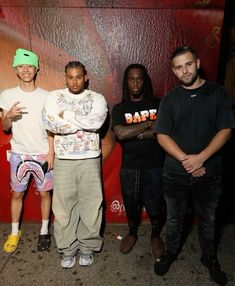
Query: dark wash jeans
x=205, y=193
x=142, y=188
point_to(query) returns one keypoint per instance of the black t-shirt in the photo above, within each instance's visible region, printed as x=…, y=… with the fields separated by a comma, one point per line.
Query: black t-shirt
x=137, y=153
x=192, y=118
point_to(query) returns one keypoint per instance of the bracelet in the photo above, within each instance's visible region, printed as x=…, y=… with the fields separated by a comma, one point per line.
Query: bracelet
x=148, y=125
x=140, y=136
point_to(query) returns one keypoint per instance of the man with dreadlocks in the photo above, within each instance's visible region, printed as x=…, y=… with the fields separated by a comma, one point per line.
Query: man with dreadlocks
x=142, y=156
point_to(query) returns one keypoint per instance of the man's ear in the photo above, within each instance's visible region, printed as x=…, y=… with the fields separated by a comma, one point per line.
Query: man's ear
x=173, y=70
x=86, y=77
x=198, y=63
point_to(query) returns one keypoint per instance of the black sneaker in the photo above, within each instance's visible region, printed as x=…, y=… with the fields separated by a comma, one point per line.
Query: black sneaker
x=213, y=266
x=163, y=264
x=44, y=242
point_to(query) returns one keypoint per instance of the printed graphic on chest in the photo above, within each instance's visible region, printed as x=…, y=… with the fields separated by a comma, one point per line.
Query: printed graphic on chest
x=81, y=106
x=140, y=116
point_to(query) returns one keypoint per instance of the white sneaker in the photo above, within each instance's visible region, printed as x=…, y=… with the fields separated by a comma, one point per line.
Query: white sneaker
x=68, y=261
x=86, y=258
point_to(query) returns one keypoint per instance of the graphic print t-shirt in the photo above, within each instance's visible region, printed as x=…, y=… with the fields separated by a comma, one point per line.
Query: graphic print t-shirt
x=138, y=154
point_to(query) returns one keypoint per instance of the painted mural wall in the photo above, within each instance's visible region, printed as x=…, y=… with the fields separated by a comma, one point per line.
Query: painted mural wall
x=106, y=36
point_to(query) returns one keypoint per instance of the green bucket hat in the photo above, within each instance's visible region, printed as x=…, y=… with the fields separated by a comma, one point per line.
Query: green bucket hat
x=25, y=57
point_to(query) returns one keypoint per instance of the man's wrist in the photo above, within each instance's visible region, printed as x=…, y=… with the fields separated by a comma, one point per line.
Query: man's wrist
x=8, y=116
x=148, y=124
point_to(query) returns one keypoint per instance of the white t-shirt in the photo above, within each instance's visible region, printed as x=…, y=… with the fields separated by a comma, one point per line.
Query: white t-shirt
x=28, y=133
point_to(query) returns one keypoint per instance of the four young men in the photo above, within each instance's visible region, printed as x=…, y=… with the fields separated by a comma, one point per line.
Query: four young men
x=193, y=123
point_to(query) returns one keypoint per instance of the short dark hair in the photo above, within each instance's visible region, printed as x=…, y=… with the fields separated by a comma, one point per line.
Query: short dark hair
x=148, y=90
x=75, y=64
x=183, y=50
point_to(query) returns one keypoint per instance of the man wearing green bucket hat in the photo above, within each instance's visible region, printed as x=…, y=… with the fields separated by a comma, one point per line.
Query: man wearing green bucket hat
x=32, y=152
x=24, y=57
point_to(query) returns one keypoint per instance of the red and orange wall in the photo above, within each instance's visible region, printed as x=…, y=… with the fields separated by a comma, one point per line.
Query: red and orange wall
x=106, y=36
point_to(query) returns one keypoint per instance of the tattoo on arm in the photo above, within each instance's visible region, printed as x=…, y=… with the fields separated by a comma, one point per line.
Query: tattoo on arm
x=129, y=132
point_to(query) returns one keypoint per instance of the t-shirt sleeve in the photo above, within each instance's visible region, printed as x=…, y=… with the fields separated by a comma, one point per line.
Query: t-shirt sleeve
x=3, y=103
x=163, y=124
x=225, y=118
x=117, y=116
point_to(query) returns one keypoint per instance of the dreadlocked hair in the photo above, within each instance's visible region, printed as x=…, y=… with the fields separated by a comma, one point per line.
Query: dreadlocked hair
x=148, y=89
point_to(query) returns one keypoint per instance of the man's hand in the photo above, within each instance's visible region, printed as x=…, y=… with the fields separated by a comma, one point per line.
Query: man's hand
x=192, y=163
x=200, y=172
x=50, y=160
x=15, y=113
x=61, y=114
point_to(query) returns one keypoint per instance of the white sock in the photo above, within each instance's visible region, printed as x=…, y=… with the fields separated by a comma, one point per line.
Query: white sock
x=44, y=228
x=14, y=228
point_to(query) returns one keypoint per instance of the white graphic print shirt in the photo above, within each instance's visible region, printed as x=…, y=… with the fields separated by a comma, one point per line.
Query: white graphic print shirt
x=77, y=133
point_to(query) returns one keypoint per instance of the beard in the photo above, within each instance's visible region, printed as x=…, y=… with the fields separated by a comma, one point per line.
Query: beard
x=191, y=82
